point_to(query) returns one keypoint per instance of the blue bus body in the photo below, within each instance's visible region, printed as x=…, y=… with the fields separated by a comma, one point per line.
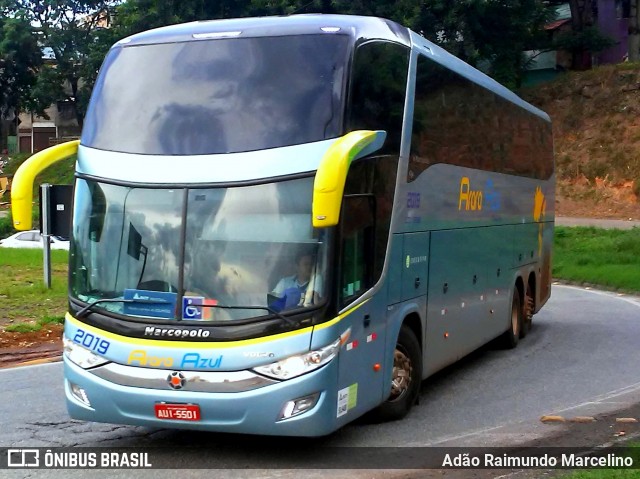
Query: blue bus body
x=193, y=203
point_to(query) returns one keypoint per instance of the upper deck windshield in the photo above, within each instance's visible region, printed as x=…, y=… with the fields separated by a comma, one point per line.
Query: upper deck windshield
x=251, y=246
x=219, y=96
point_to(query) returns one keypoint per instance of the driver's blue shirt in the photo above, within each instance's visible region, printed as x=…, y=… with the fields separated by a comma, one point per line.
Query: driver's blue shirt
x=292, y=292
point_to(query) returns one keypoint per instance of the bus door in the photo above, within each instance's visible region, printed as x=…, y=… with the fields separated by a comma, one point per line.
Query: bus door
x=360, y=381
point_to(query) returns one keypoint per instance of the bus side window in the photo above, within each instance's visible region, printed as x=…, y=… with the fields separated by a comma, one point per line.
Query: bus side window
x=378, y=90
x=357, y=245
x=460, y=123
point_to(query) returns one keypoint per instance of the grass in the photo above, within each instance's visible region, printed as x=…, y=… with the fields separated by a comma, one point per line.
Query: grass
x=37, y=326
x=27, y=304
x=633, y=451
x=610, y=258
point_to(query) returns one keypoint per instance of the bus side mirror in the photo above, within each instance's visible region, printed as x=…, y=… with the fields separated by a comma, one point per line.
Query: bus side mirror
x=22, y=185
x=330, y=178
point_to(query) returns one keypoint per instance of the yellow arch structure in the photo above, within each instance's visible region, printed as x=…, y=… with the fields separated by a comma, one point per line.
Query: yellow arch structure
x=22, y=184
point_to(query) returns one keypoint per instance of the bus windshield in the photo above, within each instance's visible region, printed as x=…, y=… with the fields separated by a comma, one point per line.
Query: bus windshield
x=219, y=96
x=250, y=246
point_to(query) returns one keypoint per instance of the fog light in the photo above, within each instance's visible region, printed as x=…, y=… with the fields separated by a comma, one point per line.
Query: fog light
x=298, y=406
x=80, y=394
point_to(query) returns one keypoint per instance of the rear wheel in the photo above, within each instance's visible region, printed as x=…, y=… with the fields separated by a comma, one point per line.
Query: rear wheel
x=511, y=337
x=527, y=311
x=406, y=377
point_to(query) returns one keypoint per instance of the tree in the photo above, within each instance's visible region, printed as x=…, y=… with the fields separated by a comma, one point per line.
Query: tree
x=500, y=31
x=634, y=31
x=68, y=28
x=20, y=59
x=584, y=36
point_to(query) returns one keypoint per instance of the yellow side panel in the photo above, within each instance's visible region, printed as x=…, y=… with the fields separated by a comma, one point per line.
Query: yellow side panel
x=22, y=184
x=332, y=173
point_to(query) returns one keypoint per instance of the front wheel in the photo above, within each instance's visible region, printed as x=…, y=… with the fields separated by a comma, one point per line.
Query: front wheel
x=406, y=377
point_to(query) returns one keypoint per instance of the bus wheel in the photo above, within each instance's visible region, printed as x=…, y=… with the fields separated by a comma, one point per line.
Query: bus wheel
x=405, y=380
x=527, y=311
x=512, y=335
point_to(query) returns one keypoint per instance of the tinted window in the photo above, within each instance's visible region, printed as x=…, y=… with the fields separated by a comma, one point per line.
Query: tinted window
x=374, y=179
x=356, y=248
x=378, y=90
x=460, y=123
x=219, y=96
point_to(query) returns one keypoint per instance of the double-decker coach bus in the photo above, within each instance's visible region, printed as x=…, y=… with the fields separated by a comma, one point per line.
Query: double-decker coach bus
x=280, y=224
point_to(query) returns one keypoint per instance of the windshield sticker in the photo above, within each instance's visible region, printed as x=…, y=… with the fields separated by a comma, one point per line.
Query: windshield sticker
x=347, y=399
x=154, y=304
x=192, y=308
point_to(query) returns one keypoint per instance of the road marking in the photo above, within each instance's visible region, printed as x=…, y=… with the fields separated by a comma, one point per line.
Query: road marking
x=582, y=419
x=552, y=419
x=626, y=419
x=608, y=294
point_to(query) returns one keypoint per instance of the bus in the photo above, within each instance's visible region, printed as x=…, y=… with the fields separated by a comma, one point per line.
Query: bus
x=283, y=223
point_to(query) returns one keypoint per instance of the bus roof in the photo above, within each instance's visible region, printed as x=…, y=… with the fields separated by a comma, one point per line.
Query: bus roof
x=358, y=27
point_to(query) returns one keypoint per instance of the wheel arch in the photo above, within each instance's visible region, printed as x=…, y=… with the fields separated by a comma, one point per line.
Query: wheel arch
x=533, y=284
x=414, y=323
x=519, y=285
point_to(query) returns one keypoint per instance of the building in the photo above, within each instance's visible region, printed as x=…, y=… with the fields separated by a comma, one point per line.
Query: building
x=36, y=133
x=611, y=17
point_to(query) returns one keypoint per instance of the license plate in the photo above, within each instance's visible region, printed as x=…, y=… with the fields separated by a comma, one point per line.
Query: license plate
x=180, y=412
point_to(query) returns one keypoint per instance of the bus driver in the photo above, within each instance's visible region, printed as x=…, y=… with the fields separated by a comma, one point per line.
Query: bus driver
x=301, y=289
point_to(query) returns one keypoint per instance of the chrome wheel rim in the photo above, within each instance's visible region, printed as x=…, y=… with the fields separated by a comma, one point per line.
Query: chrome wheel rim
x=402, y=370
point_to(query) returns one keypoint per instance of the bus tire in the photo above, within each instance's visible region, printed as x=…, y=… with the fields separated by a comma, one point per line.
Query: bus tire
x=406, y=378
x=527, y=311
x=511, y=336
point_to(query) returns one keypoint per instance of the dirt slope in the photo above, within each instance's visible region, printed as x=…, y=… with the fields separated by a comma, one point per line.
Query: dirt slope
x=596, y=124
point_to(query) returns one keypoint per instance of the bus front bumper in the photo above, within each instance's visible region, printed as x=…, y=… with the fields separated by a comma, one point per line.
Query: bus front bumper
x=256, y=411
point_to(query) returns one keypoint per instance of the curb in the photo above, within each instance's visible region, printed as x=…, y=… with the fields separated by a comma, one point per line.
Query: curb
x=35, y=362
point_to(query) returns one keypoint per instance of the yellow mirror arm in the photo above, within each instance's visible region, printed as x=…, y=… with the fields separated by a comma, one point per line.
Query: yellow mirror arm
x=22, y=185
x=330, y=178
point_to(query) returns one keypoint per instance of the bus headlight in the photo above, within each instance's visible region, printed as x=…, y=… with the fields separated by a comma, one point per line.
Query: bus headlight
x=300, y=364
x=80, y=355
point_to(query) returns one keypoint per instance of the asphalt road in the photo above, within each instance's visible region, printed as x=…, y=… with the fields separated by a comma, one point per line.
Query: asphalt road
x=580, y=358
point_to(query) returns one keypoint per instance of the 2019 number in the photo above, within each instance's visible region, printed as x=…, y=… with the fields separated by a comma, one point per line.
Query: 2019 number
x=92, y=342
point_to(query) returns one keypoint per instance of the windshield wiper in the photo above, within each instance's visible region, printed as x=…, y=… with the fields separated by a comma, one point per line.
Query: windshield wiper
x=289, y=321
x=89, y=307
